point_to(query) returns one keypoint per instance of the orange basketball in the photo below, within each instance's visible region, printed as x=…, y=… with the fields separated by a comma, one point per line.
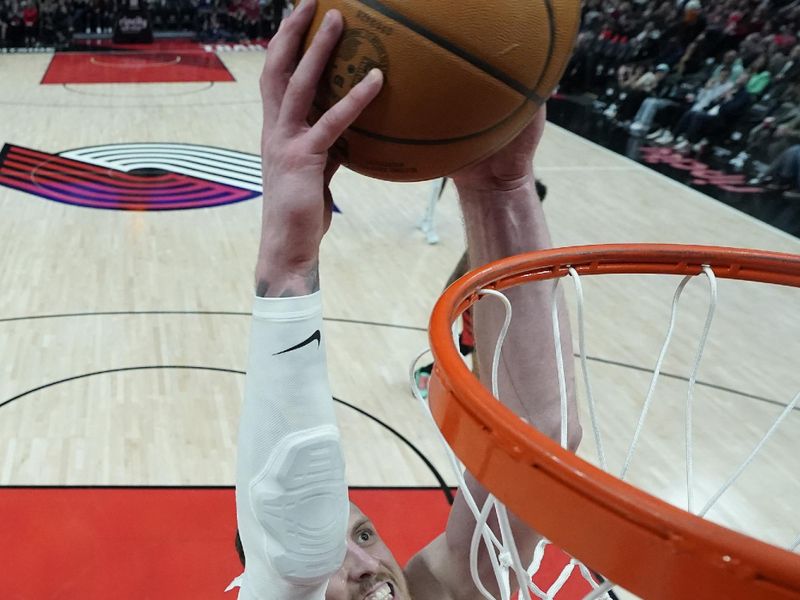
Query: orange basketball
x=461, y=78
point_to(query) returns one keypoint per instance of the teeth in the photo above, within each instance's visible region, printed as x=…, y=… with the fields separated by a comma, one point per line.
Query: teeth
x=382, y=593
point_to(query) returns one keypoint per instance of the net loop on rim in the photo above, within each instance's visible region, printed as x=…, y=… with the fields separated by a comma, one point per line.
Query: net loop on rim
x=540, y=481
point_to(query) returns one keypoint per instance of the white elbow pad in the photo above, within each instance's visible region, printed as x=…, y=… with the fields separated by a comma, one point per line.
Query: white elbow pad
x=299, y=499
x=291, y=493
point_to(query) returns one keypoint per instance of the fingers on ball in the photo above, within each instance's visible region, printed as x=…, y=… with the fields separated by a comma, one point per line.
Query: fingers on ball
x=303, y=83
x=341, y=115
x=282, y=50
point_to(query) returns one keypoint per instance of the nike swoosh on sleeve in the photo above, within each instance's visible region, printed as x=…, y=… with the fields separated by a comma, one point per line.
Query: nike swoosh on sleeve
x=314, y=336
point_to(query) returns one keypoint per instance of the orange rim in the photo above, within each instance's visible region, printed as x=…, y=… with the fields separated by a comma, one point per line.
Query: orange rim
x=647, y=546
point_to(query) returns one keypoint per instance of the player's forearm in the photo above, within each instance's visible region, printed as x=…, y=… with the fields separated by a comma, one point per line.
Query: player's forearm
x=501, y=224
x=289, y=453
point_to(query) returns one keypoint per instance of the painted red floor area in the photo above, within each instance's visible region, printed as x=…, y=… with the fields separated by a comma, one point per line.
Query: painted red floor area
x=167, y=66
x=169, y=544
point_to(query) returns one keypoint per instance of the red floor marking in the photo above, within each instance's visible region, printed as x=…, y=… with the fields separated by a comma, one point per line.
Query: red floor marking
x=136, y=67
x=154, y=544
x=116, y=543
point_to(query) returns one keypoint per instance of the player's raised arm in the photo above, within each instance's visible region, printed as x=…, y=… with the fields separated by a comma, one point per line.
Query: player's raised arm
x=291, y=495
x=503, y=217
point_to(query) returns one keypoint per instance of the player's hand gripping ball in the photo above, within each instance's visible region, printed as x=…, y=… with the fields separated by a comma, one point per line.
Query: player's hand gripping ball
x=462, y=78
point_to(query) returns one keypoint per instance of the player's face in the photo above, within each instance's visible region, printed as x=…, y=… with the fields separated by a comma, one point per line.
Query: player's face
x=370, y=571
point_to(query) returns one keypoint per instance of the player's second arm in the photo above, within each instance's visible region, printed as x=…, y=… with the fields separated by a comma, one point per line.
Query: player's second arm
x=503, y=222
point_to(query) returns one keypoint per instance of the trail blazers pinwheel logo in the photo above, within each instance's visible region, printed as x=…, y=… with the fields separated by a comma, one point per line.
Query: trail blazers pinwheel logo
x=141, y=177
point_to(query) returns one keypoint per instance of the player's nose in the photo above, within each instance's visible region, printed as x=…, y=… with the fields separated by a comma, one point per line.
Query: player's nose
x=360, y=563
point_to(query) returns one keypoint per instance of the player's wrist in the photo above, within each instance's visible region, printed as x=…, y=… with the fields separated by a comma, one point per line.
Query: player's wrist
x=507, y=177
x=276, y=280
x=292, y=233
x=287, y=265
x=496, y=189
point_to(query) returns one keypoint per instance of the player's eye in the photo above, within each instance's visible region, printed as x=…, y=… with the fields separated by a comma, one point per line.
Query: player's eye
x=365, y=536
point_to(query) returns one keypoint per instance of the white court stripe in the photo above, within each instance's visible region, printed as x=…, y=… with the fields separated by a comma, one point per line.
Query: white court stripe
x=197, y=156
x=218, y=175
x=210, y=164
x=158, y=145
x=246, y=161
x=127, y=162
x=210, y=175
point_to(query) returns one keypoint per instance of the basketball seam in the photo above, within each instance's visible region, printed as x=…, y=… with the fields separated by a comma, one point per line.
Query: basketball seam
x=445, y=44
x=428, y=142
x=551, y=45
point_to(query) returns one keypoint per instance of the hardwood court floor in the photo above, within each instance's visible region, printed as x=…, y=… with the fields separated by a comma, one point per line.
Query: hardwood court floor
x=123, y=334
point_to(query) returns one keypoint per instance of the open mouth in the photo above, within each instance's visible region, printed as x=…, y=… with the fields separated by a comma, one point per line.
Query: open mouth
x=384, y=591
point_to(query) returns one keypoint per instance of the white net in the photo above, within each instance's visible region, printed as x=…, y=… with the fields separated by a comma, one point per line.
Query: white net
x=512, y=571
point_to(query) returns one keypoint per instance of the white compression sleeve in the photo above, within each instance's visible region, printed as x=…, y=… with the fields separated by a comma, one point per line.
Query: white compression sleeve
x=291, y=494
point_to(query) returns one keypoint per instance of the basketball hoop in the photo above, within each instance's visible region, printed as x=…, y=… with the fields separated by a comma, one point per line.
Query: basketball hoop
x=644, y=544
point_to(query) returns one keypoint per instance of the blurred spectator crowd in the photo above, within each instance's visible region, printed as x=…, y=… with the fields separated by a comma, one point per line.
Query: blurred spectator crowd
x=54, y=23
x=701, y=76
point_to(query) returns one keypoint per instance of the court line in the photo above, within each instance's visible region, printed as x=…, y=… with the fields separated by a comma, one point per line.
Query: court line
x=607, y=361
x=161, y=486
x=713, y=386
x=118, y=370
x=117, y=107
x=210, y=85
x=443, y=485
x=676, y=183
x=447, y=491
x=87, y=486
x=137, y=66
x=198, y=312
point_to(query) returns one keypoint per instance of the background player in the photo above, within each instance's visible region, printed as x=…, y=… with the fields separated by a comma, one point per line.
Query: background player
x=302, y=539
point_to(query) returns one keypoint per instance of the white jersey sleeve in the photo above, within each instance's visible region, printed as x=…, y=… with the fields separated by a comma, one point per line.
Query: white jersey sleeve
x=291, y=495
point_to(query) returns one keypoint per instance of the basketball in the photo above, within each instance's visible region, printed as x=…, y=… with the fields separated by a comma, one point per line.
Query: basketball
x=461, y=79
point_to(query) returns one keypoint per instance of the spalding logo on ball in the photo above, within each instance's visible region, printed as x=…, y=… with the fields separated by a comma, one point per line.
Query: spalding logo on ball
x=461, y=78
x=358, y=53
